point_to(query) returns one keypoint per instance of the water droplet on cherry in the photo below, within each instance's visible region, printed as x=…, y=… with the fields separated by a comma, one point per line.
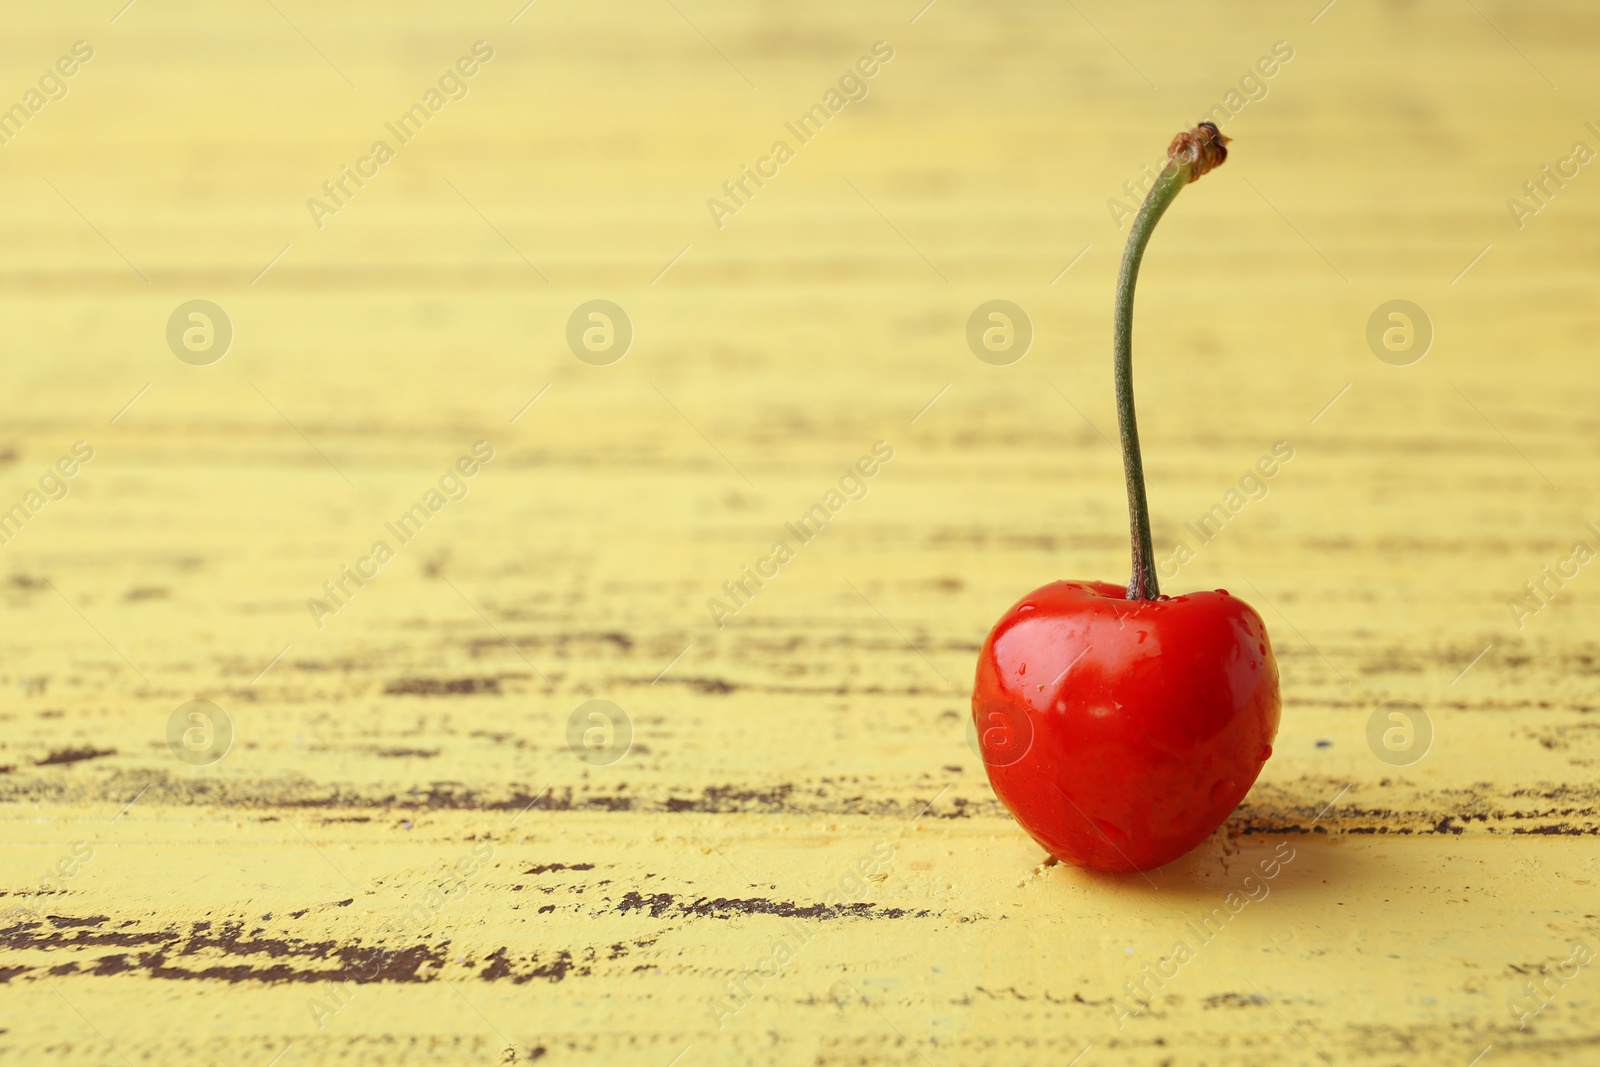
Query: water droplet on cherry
x=1266, y=753
x=1222, y=790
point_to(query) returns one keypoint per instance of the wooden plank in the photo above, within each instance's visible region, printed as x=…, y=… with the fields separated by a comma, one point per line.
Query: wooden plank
x=402, y=858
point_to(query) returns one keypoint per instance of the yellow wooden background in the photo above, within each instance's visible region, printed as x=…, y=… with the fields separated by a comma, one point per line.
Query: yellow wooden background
x=235, y=912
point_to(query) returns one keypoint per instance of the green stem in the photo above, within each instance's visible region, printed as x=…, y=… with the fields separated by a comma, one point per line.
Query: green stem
x=1142, y=586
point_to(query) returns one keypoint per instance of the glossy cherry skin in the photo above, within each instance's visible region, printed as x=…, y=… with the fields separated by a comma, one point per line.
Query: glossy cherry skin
x=1120, y=733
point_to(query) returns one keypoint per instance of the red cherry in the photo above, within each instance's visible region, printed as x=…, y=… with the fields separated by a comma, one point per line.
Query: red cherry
x=1119, y=726
x=1120, y=733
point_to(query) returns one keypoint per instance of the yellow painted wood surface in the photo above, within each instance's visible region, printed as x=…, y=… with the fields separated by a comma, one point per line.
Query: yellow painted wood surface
x=400, y=859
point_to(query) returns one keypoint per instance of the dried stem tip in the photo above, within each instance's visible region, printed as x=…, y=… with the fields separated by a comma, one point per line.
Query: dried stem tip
x=1201, y=149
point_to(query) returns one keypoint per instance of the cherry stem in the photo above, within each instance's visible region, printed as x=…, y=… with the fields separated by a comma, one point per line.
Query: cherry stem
x=1191, y=154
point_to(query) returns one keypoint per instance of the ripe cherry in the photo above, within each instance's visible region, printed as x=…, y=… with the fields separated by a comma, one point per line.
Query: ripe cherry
x=1121, y=732
x=1119, y=726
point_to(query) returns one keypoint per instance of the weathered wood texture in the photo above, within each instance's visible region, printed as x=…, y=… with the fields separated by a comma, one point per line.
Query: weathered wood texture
x=400, y=859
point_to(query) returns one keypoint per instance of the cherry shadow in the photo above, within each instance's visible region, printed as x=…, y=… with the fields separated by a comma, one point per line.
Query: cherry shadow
x=1278, y=844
